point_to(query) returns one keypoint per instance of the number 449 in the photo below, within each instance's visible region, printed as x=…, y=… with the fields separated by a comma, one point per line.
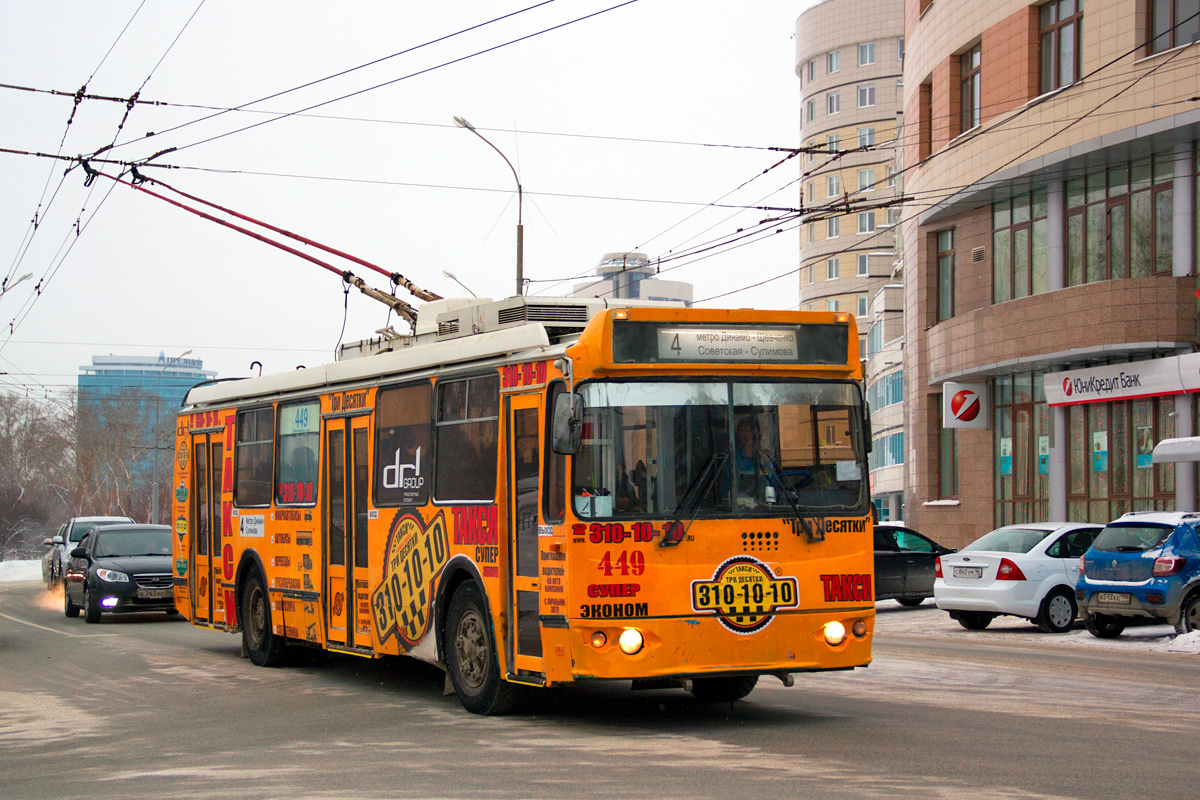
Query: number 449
x=628, y=562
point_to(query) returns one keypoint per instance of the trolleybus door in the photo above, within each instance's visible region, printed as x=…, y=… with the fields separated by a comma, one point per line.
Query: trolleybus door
x=346, y=459
x=208, y=457
x=524, y=460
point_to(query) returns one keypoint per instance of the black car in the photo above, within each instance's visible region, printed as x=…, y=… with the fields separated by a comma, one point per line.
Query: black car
x=904, y=564
x=120, y=568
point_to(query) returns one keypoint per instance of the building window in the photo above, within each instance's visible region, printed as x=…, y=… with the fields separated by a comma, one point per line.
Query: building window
x=866, y=54
x=864, y=264
x=812, y=235
x=1108, y=472
x=971, y=61
x=1021, y=447
x=887, y=451
x=831, y=269
x=833, y=103
x=831, y=228
x=812, y=70
x=831, y=305
x=833, y=143
x=810, y=111
x=866, y=95
x=1019, y=266
x=833, y=186
x=924, y=120
x=866, y=137
x=947, y=458
x=1173, y=23
x=866, y=222
x=810, y=191
x=833, y=61
x=891, y=177
x=866, y=180
x=900, y=49
x=893, y=215
x=1059, y=35
x=1119, y=221
x=887, y=390
x=862, y=305
x=945, y=269
x=809, y=270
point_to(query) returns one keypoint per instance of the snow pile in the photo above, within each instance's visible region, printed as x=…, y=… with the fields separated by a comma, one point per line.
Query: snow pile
x=20, y=570
x=1186, y=643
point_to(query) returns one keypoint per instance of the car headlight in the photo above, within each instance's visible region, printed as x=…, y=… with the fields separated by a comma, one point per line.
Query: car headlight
x=112, y=576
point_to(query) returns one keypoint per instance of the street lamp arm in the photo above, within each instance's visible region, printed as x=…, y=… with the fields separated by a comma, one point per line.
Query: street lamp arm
x=462, y=123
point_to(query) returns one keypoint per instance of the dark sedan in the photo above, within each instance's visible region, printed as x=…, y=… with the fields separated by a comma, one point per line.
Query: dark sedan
x=120, y=568
x=904, y=564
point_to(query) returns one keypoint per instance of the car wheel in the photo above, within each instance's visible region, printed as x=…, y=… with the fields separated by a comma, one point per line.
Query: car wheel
x=911, y=602
x=262, y=645
x=723, y=690
x=471, y=656
x=975, y=620
x=69, y=608
x=1057, y=614
x=1104, y=626
x=1189, y=615
x=91, y=606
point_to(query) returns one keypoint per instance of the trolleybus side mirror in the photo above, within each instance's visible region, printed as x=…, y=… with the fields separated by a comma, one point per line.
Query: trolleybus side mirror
x=567, y=424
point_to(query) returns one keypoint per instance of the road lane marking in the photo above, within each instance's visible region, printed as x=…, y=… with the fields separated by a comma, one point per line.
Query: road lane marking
x=55, y=630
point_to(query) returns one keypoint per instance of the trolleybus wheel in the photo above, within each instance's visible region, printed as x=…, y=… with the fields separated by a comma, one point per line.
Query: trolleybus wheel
x=471, y=656
x=262, y=645
x=723, y=690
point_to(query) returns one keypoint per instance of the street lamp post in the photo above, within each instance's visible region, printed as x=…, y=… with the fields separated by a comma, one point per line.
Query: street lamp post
x=157, y=432
x=462, y=123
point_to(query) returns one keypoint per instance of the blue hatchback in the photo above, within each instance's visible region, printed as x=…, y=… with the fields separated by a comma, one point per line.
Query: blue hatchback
x=1144, y=564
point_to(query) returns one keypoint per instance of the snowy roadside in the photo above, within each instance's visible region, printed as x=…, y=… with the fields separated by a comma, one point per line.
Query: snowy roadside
x=926, y=620
x=20, y=570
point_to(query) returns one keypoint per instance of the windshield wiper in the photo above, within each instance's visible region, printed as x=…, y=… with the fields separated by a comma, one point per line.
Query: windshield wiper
x=788, y=491
x=674, y=535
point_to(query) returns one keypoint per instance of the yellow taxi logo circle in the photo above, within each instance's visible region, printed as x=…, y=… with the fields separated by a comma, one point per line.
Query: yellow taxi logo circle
x=744, y=594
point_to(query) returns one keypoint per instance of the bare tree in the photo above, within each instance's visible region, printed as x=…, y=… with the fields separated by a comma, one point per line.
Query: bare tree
x=36, y=472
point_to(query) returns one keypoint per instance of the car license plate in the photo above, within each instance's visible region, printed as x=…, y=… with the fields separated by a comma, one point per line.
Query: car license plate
x=968, y=572
x=1113, y=597
x=154, y=594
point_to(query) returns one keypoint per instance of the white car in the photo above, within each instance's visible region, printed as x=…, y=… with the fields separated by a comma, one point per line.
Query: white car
x=1027, y=570
x=68, y=538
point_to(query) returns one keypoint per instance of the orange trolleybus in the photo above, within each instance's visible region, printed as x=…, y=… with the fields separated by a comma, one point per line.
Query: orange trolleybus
x=534, y=492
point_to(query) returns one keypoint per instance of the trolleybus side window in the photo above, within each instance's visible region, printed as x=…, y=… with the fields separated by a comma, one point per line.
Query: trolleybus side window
x=554, y=482
x=468, y=422
x=402, y=454
x=299, y=441
x=255, y=447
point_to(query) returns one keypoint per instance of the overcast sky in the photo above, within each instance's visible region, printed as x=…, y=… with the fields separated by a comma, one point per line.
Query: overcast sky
x=622, y=127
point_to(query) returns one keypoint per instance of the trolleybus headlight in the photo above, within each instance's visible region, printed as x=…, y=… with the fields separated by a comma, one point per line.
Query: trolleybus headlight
x=859, y=629
x=630, y=641
x=835, y=632
x=599, y=639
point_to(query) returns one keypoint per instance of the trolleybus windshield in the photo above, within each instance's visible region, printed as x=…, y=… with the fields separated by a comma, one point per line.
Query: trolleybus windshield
x=777, y=447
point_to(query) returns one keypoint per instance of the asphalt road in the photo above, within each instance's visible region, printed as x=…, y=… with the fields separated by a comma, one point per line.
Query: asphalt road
x=142, y=706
